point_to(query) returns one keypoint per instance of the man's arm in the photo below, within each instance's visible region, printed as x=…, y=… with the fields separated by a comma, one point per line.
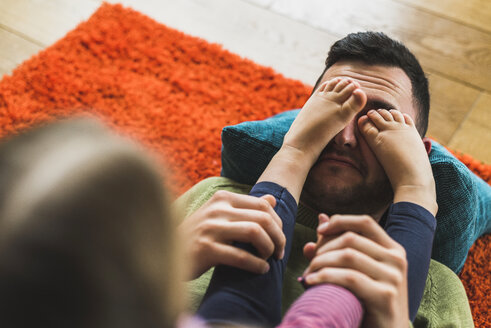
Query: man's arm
x=357, y=254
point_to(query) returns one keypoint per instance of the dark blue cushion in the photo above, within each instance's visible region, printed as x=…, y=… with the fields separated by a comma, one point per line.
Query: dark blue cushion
x=464, y=199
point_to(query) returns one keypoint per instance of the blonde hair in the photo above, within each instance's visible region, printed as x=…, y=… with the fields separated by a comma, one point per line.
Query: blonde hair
x=87, y=237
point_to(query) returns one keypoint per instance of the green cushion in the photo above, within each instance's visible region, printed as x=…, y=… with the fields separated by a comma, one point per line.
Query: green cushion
x=463, y=198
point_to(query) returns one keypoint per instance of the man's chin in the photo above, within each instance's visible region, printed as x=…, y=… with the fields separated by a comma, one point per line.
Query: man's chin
x=337, y=176
x=329, y=199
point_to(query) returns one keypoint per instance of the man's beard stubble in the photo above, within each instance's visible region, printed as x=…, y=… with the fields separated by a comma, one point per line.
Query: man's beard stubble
x=362, y=198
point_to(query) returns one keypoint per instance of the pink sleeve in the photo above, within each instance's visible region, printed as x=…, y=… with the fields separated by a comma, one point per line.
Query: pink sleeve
x=188, y=321
x=324, y=306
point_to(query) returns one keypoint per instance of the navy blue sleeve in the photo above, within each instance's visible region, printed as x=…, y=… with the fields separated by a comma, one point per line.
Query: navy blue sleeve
x=413, y=227
x=238, y=296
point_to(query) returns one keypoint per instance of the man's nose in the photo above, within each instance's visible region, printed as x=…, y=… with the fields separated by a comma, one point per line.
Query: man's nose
x=348, y=136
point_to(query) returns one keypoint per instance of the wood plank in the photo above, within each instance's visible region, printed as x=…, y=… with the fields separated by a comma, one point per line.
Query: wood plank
x=14, y=50
x=476, y=13
x=292, y=48
x=45, y=21
x=474, y=136
x=449, y=48
x=450, y=104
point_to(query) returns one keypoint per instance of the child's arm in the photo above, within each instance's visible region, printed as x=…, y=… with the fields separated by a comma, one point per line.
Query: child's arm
x=394, y=139
x=413, y=227
x=324, y=305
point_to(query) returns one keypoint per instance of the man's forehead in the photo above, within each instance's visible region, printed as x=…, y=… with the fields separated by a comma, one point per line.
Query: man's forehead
x=385, y=86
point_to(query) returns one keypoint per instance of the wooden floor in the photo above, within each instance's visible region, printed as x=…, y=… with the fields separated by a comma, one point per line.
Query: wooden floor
x=452, y=39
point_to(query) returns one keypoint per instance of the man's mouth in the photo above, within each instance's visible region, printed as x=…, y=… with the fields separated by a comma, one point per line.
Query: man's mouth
x=339, y=160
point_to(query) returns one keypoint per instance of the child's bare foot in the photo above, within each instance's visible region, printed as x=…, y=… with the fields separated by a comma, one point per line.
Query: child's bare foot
x=393, y=138
x=343, y=96
x=330, y=108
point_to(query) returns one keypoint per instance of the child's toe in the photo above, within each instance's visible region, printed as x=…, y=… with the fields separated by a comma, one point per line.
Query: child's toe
x=347, y=91
x=408, y=119
x=341, y=85
x=323, y=86
x=331, y=84
x=397, y=115
x=377, y=118
x=367, y=127
x=385, y=114
x=356, y=100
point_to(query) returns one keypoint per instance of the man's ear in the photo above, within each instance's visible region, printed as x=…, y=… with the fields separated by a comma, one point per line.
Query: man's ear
x=427, y=143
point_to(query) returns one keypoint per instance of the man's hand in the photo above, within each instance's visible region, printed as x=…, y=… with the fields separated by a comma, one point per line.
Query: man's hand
x=228, y=217
x=356, y=253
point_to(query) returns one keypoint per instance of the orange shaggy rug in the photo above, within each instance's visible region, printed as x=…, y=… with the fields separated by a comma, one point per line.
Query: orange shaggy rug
x=174, y=93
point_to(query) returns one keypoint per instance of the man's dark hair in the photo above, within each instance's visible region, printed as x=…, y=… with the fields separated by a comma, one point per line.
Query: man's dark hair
x=376, y=48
